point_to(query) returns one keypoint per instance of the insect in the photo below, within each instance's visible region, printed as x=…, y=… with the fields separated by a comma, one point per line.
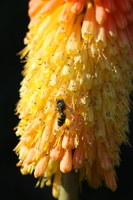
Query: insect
x=61, y=106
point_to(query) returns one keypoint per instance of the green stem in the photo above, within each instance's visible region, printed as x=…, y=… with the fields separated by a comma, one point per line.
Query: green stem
x=69, y=186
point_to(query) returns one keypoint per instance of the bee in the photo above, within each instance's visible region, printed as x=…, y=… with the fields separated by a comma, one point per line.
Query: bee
x=61, y=106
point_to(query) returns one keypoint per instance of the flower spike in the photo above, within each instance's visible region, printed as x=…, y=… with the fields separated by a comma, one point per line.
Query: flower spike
x=75, y=95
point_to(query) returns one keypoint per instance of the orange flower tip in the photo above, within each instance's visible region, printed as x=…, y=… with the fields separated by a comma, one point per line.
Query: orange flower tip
x=100, y=13
x=15, y=128
x=66, y=162
x=51, y=5
x=24, y=170
x=23, y=152
x=19, y=163
x=78, y=6
x=110, y=180
x=56, y=153
x=78, y=157
x=30, y=156
x=34, y=7
x=67, y=141
x=88, y=26
x=41, y=167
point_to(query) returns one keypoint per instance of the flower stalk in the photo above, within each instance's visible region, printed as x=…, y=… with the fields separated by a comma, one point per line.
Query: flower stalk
x=69, y=187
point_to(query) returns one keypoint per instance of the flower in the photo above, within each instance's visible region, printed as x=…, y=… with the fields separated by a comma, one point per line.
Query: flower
x=79, y=52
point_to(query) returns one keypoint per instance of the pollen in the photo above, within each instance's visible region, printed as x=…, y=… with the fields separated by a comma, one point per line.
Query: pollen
x=80, y=52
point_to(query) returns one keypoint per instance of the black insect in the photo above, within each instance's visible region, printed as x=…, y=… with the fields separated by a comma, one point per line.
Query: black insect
x=61, y=106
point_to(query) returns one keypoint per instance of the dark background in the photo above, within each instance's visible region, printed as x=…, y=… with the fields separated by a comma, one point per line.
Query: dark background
x=13, y=185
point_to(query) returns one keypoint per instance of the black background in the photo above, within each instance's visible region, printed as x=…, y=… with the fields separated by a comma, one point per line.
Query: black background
x=13, y=185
